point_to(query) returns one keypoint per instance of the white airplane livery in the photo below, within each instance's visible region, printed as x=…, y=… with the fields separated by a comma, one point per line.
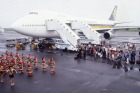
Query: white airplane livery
x=35, y=23
x=70, y=29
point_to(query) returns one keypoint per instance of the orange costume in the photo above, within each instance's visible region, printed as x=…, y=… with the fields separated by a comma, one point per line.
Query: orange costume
x=44, y=65
x=29, y=58
x=3, y=66
x=23, y=59
x=29, y=69
x=20, y=65
x=17, y=57
x=2, y=71
x=35, y=62
x=2, y=58
x=13, y=63
x=11, y=55
x=7, y=62
x=7, y=53
x=52, y=65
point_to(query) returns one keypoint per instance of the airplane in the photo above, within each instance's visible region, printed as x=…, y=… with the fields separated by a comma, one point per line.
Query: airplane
x=48, y=24
x=28, y=24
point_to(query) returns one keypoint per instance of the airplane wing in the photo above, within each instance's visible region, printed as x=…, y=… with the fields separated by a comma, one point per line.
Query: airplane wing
x=115, y=28
x=108, y=34
x=126, y=27
x=116, y=23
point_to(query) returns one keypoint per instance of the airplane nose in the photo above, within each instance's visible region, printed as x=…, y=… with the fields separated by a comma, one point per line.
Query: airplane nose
x=14, y=26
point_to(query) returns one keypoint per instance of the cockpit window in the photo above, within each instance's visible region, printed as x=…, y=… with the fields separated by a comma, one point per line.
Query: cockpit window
x=33, y=13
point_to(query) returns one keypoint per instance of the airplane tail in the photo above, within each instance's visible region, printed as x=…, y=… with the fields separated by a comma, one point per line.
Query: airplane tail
x=113, y=14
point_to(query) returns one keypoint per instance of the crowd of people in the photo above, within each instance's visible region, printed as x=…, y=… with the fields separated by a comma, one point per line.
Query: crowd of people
x=10, y=63
x=120, y=56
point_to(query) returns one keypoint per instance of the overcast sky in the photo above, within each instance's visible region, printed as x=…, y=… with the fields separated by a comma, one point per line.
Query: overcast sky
x=128, y=10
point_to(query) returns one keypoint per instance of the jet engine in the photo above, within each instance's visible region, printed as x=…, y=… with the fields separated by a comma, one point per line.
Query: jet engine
x=109, y=34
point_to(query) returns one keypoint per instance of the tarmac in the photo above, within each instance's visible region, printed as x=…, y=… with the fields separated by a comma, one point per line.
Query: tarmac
x=72, y=76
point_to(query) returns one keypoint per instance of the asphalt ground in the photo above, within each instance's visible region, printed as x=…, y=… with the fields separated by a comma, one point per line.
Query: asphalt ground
x=72, y=76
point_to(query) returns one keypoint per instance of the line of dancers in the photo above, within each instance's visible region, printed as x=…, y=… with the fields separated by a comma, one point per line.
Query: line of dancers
x=10, y=63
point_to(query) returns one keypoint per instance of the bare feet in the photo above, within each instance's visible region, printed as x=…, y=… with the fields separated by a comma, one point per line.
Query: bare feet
x=12, y=84
x=2, y=80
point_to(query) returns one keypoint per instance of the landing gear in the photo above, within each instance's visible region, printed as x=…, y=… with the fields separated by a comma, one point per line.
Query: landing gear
x=41, y=45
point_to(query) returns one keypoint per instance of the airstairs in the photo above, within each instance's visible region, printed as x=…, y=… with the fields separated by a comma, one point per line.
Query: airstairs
x=66, y=33
x=73, y=32
x=91, y=34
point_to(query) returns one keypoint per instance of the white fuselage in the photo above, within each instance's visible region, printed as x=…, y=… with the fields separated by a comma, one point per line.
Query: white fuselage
x=34, y=24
